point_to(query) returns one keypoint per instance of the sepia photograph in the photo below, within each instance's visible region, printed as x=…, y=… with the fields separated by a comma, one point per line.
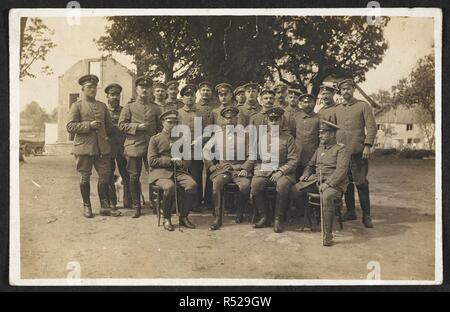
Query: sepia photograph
x=225, y=146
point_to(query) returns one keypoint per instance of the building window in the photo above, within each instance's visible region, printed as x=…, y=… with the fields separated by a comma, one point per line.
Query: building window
x=417, y=140
x=409, y=127
x=410, y=141
x=378, y=126
x=96, y=69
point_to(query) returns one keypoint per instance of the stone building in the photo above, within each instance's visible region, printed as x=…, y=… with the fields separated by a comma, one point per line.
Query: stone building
x=108, y=70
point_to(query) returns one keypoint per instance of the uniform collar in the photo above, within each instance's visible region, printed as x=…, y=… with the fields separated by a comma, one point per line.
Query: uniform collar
x=353, y=101
x=189, y=109
x=330, y=145
x=114, y=110
x=292, y=109
x=251, y=105
x=204, y=102
x=306, y=115
x=333, y=104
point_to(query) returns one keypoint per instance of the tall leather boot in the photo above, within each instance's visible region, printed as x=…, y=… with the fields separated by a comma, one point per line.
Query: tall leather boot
x=126, y=194
x=167, y=222
x=349, y=197
x=240, y=207
x=262, y=206
x=364, y=199
x=85, y=189
x=328, y=216
x=105, y=209
x=135, y=189
x=218, y=217
x=187, y=206
x=112, y=195
x=280, y=208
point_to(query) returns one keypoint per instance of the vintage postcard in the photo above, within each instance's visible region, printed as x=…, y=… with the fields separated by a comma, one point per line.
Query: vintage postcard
x=225, y=146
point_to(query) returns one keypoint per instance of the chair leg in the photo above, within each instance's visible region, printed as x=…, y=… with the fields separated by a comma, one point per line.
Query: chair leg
x=158, y=208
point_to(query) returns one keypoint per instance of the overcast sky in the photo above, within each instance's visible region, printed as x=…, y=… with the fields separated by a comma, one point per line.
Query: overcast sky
x=409, y=39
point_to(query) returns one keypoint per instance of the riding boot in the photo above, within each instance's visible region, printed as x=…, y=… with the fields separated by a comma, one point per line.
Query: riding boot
x=262, y=206
x=105, y=209
x=135, y=189
x=187, y=205
x=218, y=218
x=167, y=222
x=112, y=195
x=280, y=207
x=126, y=194
x=364, y=199
x=241, y=203
x=349, y=196
x=328, y=227
x=85, y=189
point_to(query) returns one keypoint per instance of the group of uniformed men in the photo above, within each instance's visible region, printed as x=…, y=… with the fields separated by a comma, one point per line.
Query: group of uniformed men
x=332, y=146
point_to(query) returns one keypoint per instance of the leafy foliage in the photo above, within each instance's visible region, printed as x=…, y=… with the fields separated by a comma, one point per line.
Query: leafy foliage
x=36, y=42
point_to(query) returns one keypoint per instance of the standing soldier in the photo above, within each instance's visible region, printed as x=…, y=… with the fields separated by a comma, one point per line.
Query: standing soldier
x=251, y=106
x=330, y=163
x=282, y=176
x=172, y=102
x=239, y=94
x=355, y=118
x=206, y=105
x=162, y=172
x=160, y=95
x=91, y=123
x=225, y=170
x=292, y=106
x=305, y=126
x=139, y=120
x=113, y=92
x=327, y=93
x=225, y=94
x=186, y=116
x=267, y=97
x=280, y=95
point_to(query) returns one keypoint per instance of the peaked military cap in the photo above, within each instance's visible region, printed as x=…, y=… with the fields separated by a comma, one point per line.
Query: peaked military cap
x=222, y=86
x=275, y=112
x=188, y=88
x=306, y=97
x=88, y=79
x=295, y=91
x=251, y=85
x=229, y=111
x=281, y=87
x=205, y=83
x=113, y=87
x=239, y=90
x=346, y=81
x=266, y=90
x=170, y=114
x=329, y=87
x=172, y=83
x=143, y=81
x=327, y=126
x=160, y=85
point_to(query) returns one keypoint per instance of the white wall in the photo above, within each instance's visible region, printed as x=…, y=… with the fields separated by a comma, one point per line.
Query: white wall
x=400, y=136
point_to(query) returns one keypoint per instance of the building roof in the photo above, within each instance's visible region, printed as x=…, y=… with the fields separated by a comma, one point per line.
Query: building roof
x=401, y=115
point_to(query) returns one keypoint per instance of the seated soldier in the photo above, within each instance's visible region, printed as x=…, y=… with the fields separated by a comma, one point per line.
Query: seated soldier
x=231, y=165
x=282, y=176
x=330, y=164
x=162, y=172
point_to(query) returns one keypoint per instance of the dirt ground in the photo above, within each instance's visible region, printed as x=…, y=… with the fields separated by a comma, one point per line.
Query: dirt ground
x=54, y=233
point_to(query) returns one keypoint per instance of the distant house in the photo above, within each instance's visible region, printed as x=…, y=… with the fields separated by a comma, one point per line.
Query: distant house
x=108, y=70
x=402, y=128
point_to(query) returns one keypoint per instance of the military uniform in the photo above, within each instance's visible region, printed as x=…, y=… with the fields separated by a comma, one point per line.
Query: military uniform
x=328, y=113
x=238, y=91
x=136, y=142
x=117, y=139
x=173, y=103
x=248, y=110
x=330, y=163
x=261, y=118
x=91, y=147
x=286, y=166
x=354, y=120
x=226, y=170
x=162, y=174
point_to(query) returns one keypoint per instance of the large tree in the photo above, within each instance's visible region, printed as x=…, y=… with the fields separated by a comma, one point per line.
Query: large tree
x=162, y=46
x=417, y=90
x=311, y=48
x=36, y=115
x=298, y=50
x=36, y=42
